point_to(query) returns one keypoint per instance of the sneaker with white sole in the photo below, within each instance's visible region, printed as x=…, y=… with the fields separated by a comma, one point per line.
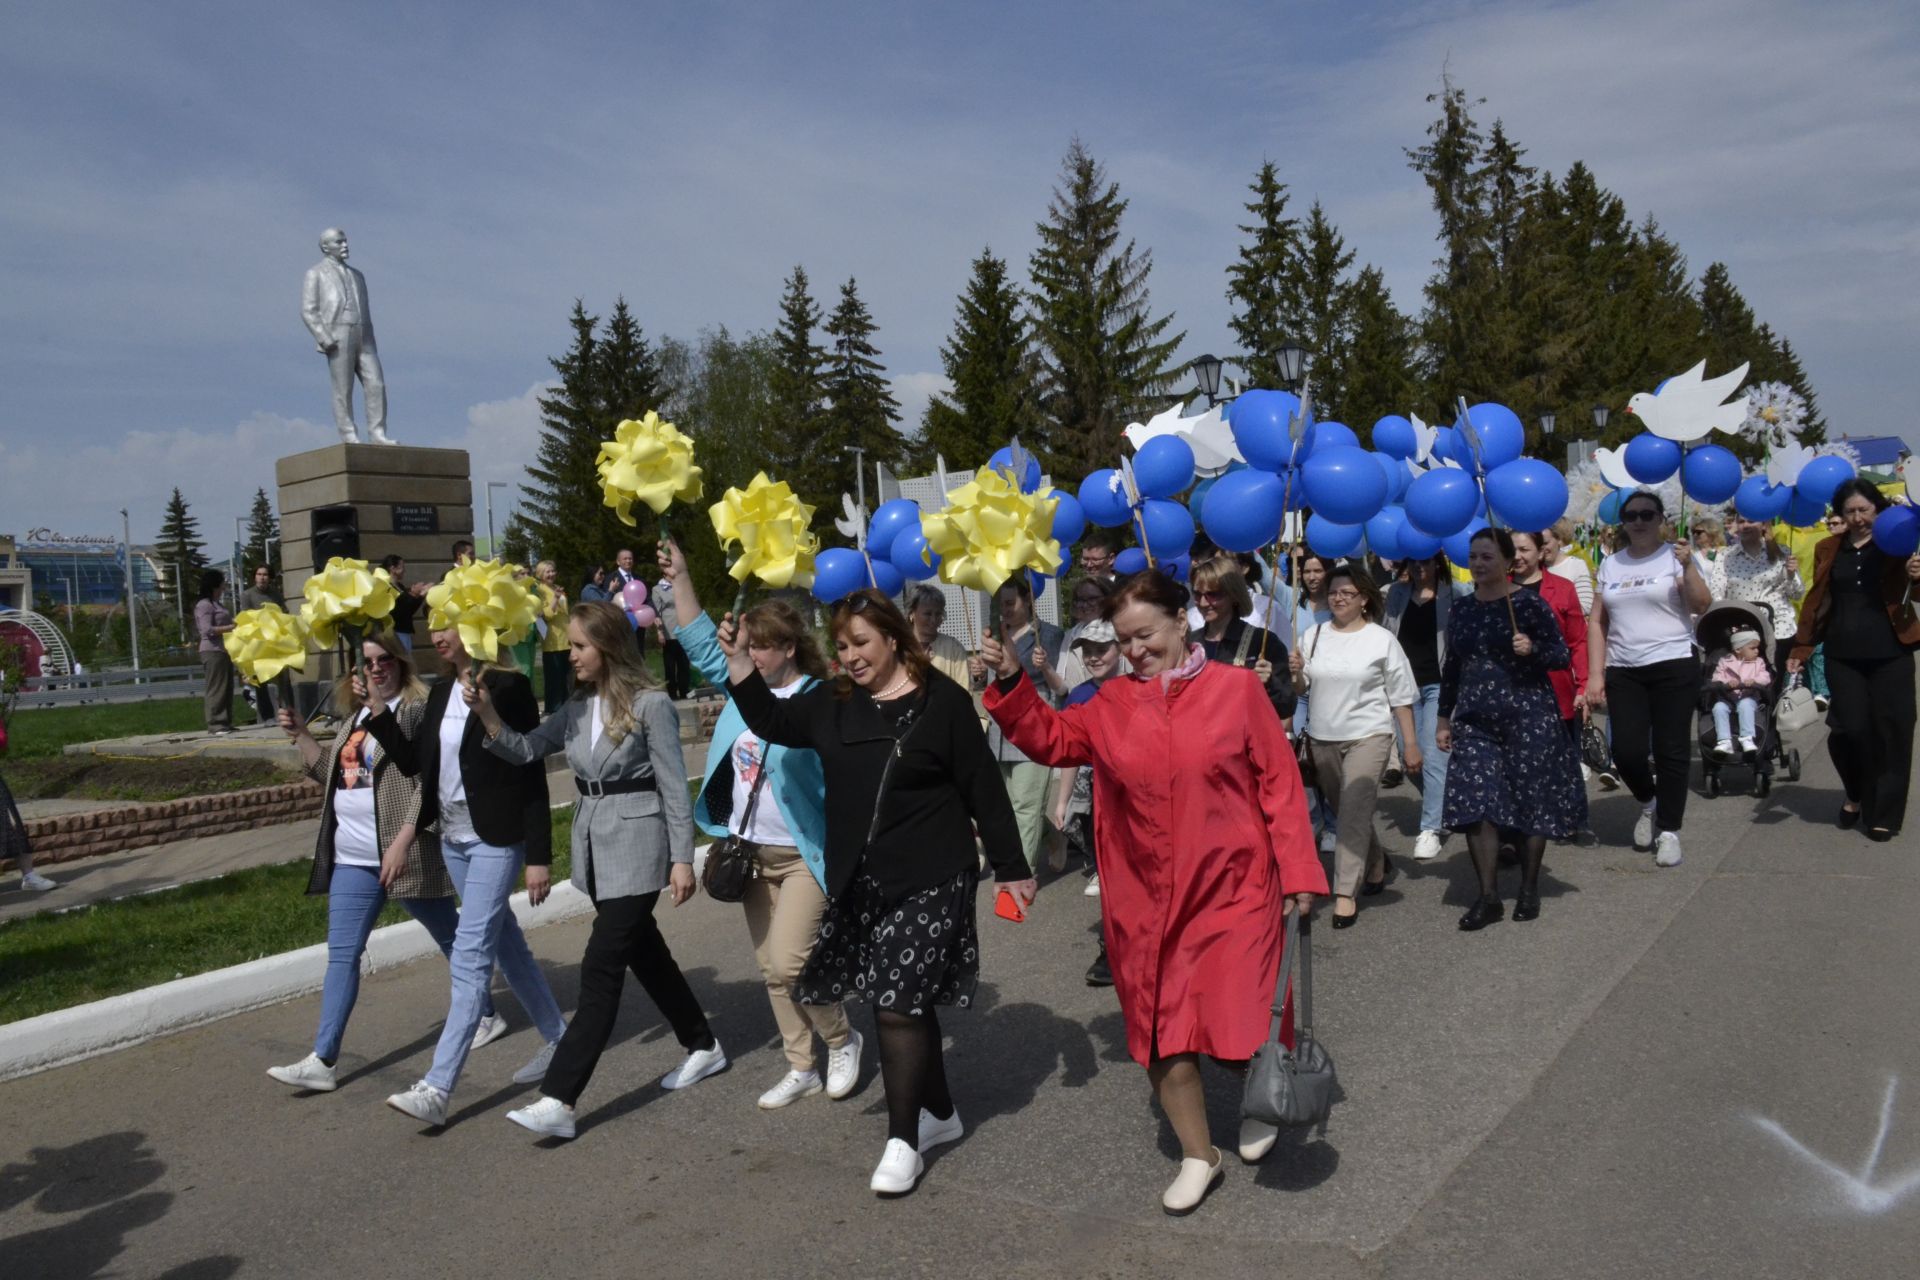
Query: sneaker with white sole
x=899, y=1170
x=1748, y=746
x=700, y=1064
x=793, y=1086
x=490, y=1028
x=34, y=882
x=1327, y=841
x=1256, y=1139
x=423, y=1102
x=1426, y=846
x=1666, y=850
x=1609, y=780
x=536, y=1069
x=843, y=1067
x=308, y=1073
x=1643, y=828
x=935, y=1132
x=549, y=1117
x=1723, y=749
x=1093, y=886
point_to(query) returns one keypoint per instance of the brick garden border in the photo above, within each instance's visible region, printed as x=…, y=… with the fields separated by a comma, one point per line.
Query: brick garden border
x=141, y=826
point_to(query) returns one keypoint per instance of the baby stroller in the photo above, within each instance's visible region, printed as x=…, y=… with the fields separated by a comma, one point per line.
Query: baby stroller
x=1713, y=634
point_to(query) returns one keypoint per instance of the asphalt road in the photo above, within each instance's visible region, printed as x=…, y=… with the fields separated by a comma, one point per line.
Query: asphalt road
x=1644, y=1082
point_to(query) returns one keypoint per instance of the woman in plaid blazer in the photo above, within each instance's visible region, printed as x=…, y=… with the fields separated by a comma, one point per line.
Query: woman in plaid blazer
x=369, y=847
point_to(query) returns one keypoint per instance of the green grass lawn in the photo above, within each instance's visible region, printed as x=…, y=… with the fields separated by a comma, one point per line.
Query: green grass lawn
x=41, y=732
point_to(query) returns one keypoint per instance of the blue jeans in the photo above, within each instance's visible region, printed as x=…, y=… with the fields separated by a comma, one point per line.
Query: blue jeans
x=1432, y=781
x=1721, y=718
x=485, y=875
x=354, y=899
x=1319, y=813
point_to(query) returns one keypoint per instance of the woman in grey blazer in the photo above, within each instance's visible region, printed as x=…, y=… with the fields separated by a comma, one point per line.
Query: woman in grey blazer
x=632, y=838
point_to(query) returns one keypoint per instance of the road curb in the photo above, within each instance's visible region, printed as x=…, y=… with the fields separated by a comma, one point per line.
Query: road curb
x=120, y=1022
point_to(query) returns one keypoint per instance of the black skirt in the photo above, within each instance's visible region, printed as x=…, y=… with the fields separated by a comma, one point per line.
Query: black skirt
x=902, y=957
x=13, y=830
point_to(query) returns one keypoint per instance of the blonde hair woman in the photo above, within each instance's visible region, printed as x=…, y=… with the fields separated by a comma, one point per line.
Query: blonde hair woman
x=554, y=670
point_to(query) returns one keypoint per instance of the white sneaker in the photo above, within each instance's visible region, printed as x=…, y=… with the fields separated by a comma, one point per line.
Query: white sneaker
x=793, y=1086
x=1426, y=847
x=1643, y=828
x=1093, y=886
x=937, y=1133
x=1609, y=780
x=549, y=1117
x=536, y=1069
x=308, y=1073
x=423, y=1102
x=1748, y=746
x=1327, y=839
x=34, y=882
x=1723, y=749
x=1256, y=1139
x=700, y=1064
x=899, y=1169
x=843, y=1067
x=1197, y=1178
x=1666, y=851
x=490, y=1028
x=1820, y=702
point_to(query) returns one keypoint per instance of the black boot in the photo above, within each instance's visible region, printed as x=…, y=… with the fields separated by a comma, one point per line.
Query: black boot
x=1099, y=973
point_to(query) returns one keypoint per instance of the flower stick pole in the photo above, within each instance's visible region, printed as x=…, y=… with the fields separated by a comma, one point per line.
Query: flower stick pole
x=1134, y=504
x=966, y=597
x=1472, y=437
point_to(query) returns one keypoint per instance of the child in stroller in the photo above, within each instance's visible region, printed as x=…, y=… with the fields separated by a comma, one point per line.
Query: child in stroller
x=1761, y=747
x=1741, y=679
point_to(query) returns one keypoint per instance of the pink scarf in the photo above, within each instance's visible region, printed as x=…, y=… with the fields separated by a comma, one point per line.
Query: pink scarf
x=1196, y=659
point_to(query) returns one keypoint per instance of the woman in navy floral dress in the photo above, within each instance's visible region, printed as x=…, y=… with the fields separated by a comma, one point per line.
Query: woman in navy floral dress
x=1512, y=765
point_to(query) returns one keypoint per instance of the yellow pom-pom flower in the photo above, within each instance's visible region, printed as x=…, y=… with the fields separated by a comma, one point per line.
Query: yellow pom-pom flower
x=348, y=594
x=648, y=461
x=265, y=642
x=484, y=601
x=770, y=524
x=990, y=531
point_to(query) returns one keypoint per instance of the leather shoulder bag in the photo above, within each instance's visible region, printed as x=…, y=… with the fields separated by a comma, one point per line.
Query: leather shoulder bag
x=732, y=863
x=1291, y=1087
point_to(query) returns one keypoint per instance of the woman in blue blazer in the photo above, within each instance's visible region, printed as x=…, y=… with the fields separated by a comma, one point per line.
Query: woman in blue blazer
x=785, y=823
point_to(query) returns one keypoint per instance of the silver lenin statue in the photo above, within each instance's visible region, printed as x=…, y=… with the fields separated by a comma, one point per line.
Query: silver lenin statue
x=333, y=303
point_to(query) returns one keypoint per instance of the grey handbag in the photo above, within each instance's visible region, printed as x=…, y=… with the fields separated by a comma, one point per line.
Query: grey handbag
x=1291, y=1087
x=1796, y=709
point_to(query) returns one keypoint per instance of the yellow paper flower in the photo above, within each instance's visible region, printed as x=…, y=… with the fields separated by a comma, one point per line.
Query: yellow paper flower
x=265, y=642
x=490, y=608
x=647, y=461
x=990, y=530
x=770, y=524
x=347, y=593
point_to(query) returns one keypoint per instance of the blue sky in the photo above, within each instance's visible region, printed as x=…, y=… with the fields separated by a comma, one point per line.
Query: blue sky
x=168, y=170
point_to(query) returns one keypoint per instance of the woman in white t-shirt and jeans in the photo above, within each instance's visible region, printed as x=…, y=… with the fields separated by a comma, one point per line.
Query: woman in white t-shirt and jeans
x=1356, y=683
x=1642, y=667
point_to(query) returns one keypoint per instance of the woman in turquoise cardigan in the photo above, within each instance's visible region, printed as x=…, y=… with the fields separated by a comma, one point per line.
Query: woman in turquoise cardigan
x=774, y=798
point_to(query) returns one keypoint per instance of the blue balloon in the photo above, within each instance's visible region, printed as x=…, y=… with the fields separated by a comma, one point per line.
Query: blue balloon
x=1129, y=562
x=1197, y=499
x=1383, y=532
x=1037, y=583
x=1394, y=436
x=1002, y=461
x=1242, y=510
x=1335, y=540
x=1441, y=502
x=1069, y=521
x=1415, y=545
x=912, y=556
x=1447, y=446
x=888, y=578
x=1333, y=435
x=837, y=572
x=1757, y=500
x=1804, y=513
x=1396, y=473
x=1527, y=494
x=1896, y=531
x=1651, y=458
x=1343, y=484
x=886, y=524
x=1259, y=421
x=1163, y=467
x=1609, y=509
x=1710, y=474
x=1502, y=438
x=1166, y=526
x=1820, y=477
x=1457, y=545
x=1178, y=567
x=1104, y=500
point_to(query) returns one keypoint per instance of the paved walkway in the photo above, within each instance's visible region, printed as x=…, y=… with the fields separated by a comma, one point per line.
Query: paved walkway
x=1641, y=1083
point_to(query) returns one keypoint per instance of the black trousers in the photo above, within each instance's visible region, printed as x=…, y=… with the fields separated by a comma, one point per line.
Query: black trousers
x=1651, y=709
x=676, y=669
x=1870, y=735
x=625, y=936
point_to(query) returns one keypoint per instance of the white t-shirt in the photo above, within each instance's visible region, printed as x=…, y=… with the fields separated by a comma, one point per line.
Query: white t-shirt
x=596, y=724
x=749, y=756
x=1354, y=680
x=456, y=823
x=356, y=834
x=1647, y=617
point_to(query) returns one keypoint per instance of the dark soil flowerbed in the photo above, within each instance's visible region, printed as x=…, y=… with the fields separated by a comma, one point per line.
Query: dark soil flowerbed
x=151, y=781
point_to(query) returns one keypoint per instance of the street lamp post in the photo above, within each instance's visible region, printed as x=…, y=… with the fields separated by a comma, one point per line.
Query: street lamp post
x=859, y=475
x=1546, y=425
x=492, y=552
x=1292, y=358
x=1600, y=415
x=1206, y=377
x=133, y=621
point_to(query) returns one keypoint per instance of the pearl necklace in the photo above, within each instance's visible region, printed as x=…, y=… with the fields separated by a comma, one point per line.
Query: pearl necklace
x=895, y=689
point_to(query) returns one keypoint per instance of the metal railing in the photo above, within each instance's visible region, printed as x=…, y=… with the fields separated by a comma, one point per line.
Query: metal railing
x=117, y=685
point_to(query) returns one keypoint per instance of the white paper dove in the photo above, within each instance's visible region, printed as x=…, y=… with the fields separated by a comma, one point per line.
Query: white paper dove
x=1688, y=406
x=1910, y=472
x=1206, y=433
x=1783, y=467
x=1613, y=468
x=854, y=524
x=1423, y=438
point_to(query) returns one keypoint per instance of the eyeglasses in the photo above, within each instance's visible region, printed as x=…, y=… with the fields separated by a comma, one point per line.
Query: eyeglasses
x=1642, y=516
x=1343, y=595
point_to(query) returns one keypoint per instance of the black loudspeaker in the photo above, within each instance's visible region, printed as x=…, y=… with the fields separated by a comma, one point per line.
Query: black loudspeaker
x=336, y=532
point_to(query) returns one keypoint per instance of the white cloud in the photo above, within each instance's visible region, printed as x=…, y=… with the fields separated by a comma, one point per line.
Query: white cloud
x=913, y=391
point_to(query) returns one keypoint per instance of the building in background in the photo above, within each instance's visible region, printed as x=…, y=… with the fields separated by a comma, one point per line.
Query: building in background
x=87, y=566
x=16, y=579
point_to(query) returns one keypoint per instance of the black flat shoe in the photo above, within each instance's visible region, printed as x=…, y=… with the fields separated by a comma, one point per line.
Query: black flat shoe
x=1483, y=913
x=1100, y=973
x=1526, y=905
x=1848, y=819
x=1880, y=835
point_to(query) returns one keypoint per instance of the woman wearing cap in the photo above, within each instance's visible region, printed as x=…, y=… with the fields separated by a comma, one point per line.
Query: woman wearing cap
x=1098, y=654
x=1221, y=595
x=1205, y=848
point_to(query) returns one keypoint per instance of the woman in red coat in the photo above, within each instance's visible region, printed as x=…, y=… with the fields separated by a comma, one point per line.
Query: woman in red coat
x=1205, y=846
x=1570, y=685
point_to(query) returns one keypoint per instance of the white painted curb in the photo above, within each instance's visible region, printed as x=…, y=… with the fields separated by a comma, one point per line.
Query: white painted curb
x=119, y=1022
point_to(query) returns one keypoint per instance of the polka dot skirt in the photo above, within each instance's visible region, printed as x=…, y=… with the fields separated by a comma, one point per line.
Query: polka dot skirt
x=923, y=950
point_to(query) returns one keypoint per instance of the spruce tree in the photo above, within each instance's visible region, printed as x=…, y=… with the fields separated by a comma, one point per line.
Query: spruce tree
x=263, y=538
x=1458, y=295
x=1264, y=285
x=180, y=550
x=1379, y=375
x=989, y=362
x=1324, y=325
x=564, y=515
x=627, y=371
x=1104, y=355
x=860, y=409
x=797, y=380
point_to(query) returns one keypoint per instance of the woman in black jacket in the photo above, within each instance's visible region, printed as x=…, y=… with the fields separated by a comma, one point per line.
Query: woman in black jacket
x=909, y=776
x=1220, y=594
x=491, y=817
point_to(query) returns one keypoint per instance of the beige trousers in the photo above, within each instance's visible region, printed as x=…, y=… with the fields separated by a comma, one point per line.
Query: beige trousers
x=1358, y=765
x=784, y=904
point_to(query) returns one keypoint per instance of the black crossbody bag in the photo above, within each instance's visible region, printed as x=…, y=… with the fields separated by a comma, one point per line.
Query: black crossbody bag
x=731, y=863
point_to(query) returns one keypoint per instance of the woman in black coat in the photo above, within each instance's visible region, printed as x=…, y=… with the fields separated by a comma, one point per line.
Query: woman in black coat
x=909, y=778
